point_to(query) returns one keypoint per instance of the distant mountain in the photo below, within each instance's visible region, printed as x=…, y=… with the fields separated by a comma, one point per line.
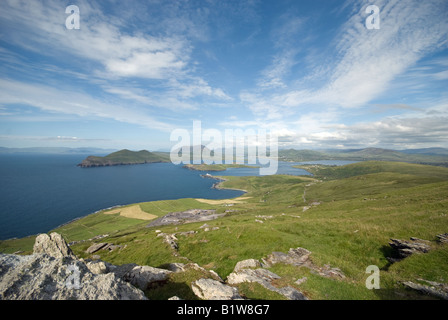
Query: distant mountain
x=125, y=157
x=431, y=151
x=302, y=155
x=57, y=150
x=413, y=156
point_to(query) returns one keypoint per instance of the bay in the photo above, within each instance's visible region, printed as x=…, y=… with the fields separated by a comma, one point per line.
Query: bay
x=39, y=192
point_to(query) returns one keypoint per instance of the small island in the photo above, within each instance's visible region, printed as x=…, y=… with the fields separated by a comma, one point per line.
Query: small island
x=125, y=157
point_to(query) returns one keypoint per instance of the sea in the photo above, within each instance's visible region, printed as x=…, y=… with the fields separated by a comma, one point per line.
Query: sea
x=39, y=192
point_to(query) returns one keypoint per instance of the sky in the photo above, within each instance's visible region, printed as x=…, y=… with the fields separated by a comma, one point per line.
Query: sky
x=316, y=73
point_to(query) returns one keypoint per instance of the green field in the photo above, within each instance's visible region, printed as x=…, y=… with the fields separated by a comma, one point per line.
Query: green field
x=352, y=212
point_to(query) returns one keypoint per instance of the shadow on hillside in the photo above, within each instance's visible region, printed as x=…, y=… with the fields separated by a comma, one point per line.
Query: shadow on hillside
x=401, y=294
x=165, y=290
x=388, y=252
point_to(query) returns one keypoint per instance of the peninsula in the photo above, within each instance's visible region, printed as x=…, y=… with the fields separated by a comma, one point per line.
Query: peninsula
x=125, y=157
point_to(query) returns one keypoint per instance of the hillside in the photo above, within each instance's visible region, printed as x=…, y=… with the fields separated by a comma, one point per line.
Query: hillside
x=413, y=156
x=125, y=157
x=337, y=227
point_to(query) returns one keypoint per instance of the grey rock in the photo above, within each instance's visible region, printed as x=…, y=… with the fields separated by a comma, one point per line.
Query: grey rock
x=176, y=267
x=209, y=289
x=406, y=248
x=143, y=276
x=260, y=275
x=53, y=245
x=244, y=264
x=54, y=273
x=95, y=247
x=297, y=257
x=121, y=270
x=443, y=237
x=169, y=239
x=97, y=267
x=265, y=278
x=188, y=216
x=329, y=272
x=435, y=289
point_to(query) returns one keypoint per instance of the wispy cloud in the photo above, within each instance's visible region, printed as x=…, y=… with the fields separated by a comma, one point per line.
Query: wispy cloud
x=67, y=102
x=365, y=64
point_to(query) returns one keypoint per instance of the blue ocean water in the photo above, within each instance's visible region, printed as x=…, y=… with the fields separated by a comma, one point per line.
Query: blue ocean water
x=39, y=192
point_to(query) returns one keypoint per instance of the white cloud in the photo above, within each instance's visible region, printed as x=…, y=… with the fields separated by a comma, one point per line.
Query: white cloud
x=366, y=61
x=158, y=65
x=99, y=39
x=74, y=103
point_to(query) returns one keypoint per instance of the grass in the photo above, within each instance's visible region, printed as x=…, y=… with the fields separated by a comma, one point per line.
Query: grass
x=361, y=206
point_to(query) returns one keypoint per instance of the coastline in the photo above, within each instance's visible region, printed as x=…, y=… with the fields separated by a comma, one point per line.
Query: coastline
x=217, y=185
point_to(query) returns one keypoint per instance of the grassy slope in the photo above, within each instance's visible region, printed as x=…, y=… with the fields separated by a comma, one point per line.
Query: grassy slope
x=362, y=155
x=362, y=207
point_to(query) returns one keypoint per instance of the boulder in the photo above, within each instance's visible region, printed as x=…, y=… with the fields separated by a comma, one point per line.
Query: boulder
x=53, y=245
x=96, y=246
x=244, y=264
x=297, y=257
x=97, y=267
x=265, y=278
x=259, y=275
x=143, y=276
x=209, y=289
x=53, y=272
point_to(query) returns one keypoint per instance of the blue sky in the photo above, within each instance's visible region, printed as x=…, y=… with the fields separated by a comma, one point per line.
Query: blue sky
x=309, y=71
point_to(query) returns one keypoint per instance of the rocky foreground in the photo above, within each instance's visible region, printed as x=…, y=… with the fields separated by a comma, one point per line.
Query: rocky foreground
x=53, y=272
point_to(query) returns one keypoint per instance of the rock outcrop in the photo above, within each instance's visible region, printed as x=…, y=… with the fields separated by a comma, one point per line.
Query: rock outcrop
x=404, y=248
x=300, y=257
x=430, y=288
x=188, y=216
x=53, y=245
x=443, y=238
x=243, y=273
x=143, y=276
x=53, y=272
x=209, y=289
x=297, y=257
